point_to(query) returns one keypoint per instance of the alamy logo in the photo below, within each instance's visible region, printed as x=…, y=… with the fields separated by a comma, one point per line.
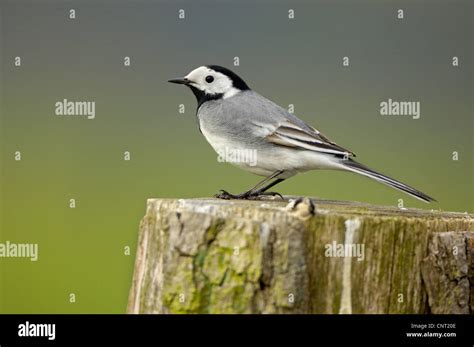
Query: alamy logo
x=19, y=250
x=400, y=108
x=75, y=108
x=37, y=330
x=345, y=250
x=235, y=155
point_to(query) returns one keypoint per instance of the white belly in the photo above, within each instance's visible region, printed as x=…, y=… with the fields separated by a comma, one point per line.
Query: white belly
x=265, y=161
x=235, y=153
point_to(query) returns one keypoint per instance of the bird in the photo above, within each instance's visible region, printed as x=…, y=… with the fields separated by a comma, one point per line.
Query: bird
x=233, y=116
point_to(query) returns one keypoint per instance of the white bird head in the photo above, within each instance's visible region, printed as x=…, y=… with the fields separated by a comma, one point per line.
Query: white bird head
x=212, y=82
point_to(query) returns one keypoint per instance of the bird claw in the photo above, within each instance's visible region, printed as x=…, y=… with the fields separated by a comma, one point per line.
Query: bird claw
x=224, y=195
x=245, y=196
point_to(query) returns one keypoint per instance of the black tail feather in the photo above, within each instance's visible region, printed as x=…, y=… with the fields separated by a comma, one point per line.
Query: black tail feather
x=364, y=170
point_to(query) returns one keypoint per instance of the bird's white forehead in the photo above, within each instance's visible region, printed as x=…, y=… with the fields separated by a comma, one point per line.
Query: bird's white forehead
x=198, y=72
x=202, y=71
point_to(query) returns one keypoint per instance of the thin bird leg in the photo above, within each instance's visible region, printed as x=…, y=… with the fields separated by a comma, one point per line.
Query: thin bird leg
x=263, y=191
x=251, y=192
x=261, y=183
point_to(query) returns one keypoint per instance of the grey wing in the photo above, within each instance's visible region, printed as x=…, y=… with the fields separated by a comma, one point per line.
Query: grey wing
x=291, y=135
x=285, y=129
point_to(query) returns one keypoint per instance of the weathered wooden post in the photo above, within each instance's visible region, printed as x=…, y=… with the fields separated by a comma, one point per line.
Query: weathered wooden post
x=221, y=256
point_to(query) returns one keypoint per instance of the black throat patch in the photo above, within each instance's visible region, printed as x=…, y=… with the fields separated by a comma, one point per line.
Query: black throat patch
x=202, y=97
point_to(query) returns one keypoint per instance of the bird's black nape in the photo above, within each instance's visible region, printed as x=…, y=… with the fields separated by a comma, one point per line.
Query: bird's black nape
x=237, y=82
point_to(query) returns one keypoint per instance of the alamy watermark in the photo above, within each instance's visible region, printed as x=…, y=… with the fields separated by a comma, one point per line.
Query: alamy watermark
x=400, y=108
x=28, y=329
x=237, y=155
x=19, y=250
x=345, y=250
x=75, y=108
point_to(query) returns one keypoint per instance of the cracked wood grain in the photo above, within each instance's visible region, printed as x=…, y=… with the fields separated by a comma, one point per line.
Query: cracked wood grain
x=214, y=256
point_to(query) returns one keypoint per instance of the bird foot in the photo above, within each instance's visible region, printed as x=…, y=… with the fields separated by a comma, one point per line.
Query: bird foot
x=246, y=196
x=223, y=194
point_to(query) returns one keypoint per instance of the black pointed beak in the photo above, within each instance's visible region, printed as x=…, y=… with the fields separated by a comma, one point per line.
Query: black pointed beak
x=184, y=81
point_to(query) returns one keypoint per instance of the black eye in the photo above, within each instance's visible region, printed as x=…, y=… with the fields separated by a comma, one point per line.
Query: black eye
x=209, y=79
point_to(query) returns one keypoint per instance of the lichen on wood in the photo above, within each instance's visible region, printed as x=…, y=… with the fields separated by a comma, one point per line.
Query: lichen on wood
x=216, y=256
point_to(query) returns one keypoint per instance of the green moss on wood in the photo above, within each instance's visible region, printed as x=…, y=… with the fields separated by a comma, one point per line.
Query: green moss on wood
x=212, y=256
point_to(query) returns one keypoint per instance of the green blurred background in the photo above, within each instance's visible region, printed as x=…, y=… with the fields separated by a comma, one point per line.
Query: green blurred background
x=298, y=62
